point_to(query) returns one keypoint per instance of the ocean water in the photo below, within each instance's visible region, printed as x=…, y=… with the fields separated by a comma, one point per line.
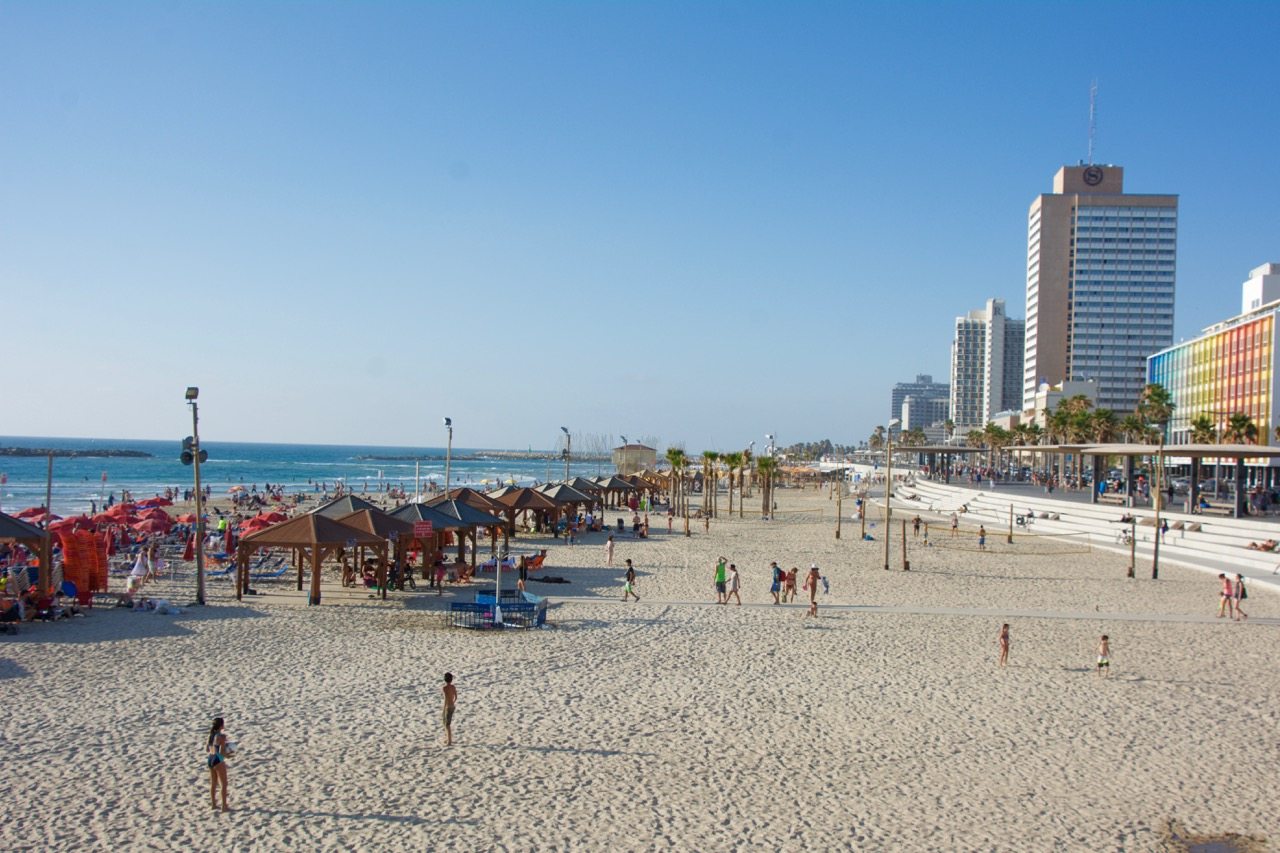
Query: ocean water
x=78, y=481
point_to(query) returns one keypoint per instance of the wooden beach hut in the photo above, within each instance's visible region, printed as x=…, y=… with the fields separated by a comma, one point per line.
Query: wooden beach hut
x=312, y=538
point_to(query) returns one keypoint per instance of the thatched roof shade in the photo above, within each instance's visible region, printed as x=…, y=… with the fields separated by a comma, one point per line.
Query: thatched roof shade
x=344, y=505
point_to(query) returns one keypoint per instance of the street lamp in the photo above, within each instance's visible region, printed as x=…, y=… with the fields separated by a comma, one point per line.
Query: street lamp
x=568, y=450
x=193, y=455
x=448, y=454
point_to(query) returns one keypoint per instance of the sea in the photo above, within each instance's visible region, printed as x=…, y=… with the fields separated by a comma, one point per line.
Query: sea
x=81, y=481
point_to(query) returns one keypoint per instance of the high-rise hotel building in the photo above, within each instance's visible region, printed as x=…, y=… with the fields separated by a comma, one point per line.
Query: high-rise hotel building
x=1101, y=267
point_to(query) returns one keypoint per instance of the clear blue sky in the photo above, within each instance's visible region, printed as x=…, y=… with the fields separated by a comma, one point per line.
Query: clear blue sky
x=698, y=221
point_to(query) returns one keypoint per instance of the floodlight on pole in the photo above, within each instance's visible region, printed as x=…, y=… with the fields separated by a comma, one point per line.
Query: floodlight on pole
x=448, y=453
x=192, y=450
x=568, y=450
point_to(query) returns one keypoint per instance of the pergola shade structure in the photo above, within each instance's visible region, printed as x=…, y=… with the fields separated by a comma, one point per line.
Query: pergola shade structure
x=386, y=527
x=522, y=501
x=312, y=538
x=440, y=523
x=472, y=519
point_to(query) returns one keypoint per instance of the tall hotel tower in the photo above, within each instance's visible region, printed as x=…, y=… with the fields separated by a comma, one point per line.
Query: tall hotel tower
x=1100, y=282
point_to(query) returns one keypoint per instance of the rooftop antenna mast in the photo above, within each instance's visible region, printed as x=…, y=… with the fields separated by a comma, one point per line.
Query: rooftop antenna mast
x=1093, y=117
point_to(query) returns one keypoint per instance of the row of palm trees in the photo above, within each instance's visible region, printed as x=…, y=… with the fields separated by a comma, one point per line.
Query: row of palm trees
x=736, y=465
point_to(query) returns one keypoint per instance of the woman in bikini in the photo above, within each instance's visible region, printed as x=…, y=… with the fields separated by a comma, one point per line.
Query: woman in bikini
x=216, y=747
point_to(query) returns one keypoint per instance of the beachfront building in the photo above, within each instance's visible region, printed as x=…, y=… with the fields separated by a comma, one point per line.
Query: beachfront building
x=924, y=388
x=634, y=458
x=924, y=412
x=986, y=365
x=1100, y=284
x=1049, y=396
x=1230, y=368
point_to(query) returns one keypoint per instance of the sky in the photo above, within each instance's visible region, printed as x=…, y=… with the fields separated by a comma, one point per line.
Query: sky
x=701, y=222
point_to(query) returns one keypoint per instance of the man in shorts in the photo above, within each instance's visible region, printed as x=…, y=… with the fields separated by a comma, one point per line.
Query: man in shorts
x=721, y=596
x=629, y=589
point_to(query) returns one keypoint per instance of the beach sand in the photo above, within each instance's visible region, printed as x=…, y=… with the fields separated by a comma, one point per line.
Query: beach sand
x=884, y=724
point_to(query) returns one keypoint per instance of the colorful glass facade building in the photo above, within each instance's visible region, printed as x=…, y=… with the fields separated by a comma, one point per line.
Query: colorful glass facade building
x=1230, y=368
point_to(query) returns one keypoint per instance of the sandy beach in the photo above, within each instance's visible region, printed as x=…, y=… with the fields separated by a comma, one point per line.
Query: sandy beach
x=672, y=723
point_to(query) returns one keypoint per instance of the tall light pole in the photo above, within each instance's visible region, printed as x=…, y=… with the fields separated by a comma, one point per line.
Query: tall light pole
x=193, y=455
x=448, y=454
x=568, y=450
x=888, y=487
x=1159, y=475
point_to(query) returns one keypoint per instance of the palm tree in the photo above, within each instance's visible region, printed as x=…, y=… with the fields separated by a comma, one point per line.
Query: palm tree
x=744, y=467
x=766, y=466
x=876, y=439
x=733, y=461
x=1240, y=430
x=948, y=428
x=676, y=457
x=1102, y=425
x=1203, y=430
x=709, y=459
x=1155, y=405
x=1131, y=427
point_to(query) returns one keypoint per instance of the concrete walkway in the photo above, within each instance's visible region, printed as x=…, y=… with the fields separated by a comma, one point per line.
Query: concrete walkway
x=921, y=610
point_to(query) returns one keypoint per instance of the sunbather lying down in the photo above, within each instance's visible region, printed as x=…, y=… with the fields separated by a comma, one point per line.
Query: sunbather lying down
x=1268, y=545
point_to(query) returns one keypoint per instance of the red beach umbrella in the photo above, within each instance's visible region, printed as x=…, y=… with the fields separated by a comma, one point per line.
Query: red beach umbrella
x=30, y=511
x=151, y=526
x=120, y=510
x=42, y=516
x=156, y=513
x=273, y=517
x=189, y=518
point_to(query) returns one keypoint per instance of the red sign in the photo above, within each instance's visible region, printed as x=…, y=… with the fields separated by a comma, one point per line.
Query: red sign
x=422, y=530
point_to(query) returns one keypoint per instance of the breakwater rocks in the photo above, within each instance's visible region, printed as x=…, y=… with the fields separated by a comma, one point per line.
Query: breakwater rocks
x=64, y=453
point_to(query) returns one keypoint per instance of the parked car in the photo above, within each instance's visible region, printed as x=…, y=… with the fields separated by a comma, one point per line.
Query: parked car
x=1181, y=485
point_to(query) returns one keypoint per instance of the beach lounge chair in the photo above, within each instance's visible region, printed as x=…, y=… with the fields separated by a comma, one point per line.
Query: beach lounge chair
x=274, y=570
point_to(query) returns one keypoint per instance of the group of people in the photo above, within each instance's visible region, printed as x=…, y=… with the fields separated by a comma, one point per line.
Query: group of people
x=1232, y=597
x=728, y=584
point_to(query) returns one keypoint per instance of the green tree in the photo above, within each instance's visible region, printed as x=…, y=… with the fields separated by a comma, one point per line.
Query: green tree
x=676, y=456
x=733, y=461
x=1203, y=430
x=767, y=468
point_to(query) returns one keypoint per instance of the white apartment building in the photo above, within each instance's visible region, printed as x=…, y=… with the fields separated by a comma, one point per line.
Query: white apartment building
x=986, y=365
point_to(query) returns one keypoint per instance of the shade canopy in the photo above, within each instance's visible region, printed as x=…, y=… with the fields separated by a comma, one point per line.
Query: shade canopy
x=470, y=497
x=379, y=523
x=523, y=499
x=467, y=514
x=562, y=493
x=422, y=512
x=345, y=505
x=583, y=485
x=16, y=530
x=614, y=483
x=310, y=530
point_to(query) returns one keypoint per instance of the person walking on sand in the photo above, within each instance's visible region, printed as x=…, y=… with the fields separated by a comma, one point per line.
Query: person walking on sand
x=1240, y=595
x=450, y=702
x=523, y=577
x=1104, y=656
x=955, y=524
x=608, y=551
x=915, y=527
x=789, y=591
x=1004, y=644
x=1226, y=600
x=629, y=588
x=982, y=538
x=775, y=581
x=811, y=584
x=721, y=598
x=217, y=752
x=734, y=582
